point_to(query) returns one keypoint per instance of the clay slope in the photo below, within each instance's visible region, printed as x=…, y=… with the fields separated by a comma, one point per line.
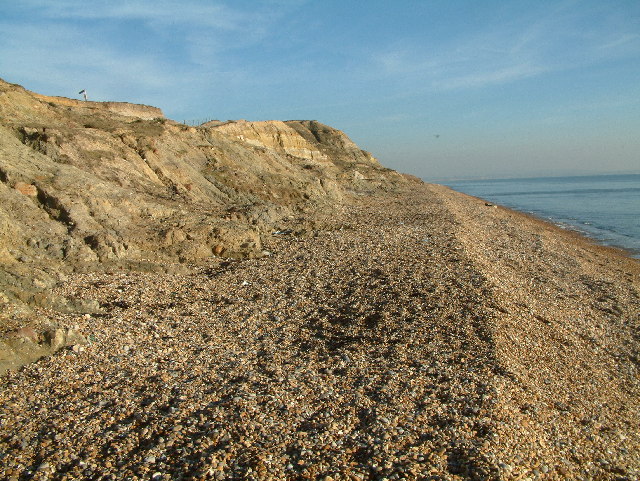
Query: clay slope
x=86, y=184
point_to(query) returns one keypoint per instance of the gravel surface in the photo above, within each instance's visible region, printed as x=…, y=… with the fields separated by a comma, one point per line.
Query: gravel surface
x=417, y=336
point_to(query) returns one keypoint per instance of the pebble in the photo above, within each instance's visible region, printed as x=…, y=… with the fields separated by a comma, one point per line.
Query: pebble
x=360, y=348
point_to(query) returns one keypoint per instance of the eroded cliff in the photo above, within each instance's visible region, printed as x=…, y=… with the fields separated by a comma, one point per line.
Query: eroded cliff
x=88, y=184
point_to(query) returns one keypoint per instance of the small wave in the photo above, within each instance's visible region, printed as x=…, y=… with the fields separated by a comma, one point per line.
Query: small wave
x=626, y=190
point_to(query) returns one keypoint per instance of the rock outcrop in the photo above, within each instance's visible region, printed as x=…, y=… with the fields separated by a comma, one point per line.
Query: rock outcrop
x=25, y=345
x=304, y=139
x=89, y=184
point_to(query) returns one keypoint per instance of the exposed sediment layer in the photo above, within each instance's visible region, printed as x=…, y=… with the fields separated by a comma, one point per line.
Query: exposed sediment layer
x=145, y=112
x=420, y=335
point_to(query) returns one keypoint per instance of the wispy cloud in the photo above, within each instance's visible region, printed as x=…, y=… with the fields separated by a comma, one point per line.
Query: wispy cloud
x=491, y=77
x=532, y=44
x=77, y=64
x=161, y=13
x=619, y=44
x=170, y=45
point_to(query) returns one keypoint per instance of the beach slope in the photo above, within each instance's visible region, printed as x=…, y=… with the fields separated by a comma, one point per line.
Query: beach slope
x=411, y=335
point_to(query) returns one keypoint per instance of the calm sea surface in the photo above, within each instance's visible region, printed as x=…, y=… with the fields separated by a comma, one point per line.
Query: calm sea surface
x=604, y=207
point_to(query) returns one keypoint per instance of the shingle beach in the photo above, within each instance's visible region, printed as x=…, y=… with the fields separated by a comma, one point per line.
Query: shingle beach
x=421, y=335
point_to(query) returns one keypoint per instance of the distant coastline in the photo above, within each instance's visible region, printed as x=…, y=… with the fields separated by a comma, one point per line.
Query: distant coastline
x=510, y=177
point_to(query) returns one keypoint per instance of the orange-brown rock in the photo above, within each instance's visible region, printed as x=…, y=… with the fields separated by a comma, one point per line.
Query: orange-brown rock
x=26, y=189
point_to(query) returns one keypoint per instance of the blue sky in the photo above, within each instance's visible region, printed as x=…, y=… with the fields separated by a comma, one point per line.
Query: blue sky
x=434, y=88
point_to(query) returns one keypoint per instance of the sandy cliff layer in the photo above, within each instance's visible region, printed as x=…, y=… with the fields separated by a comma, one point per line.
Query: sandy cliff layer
x=87, y=183
x=306, y=139
x=144, y=112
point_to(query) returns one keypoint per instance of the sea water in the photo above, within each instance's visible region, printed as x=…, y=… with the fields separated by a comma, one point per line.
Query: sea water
x=604, y=207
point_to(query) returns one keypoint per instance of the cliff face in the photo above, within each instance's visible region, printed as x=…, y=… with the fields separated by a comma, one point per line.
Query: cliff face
x=305, y=139
x=88, y=183
x=274, y=135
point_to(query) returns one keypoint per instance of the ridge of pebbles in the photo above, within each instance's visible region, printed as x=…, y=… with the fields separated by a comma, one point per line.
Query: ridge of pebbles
x=370, y=350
